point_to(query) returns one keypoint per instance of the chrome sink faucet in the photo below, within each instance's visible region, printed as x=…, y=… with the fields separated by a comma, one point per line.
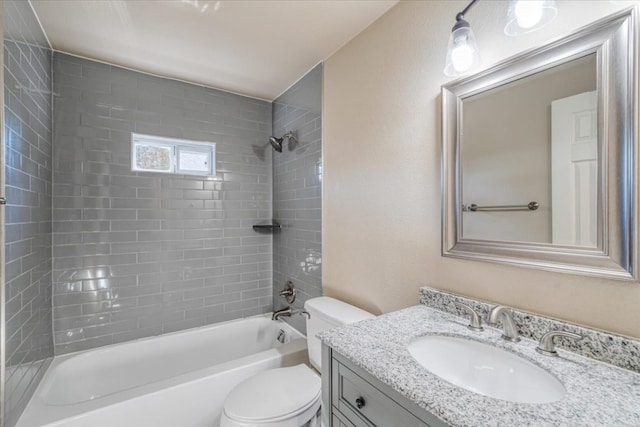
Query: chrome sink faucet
x=509, y=326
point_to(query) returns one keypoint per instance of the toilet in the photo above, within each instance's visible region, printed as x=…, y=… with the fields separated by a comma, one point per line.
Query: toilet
x=291, y=396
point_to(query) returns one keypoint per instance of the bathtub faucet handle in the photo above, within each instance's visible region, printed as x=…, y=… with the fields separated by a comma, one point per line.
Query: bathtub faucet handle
x=288, y=292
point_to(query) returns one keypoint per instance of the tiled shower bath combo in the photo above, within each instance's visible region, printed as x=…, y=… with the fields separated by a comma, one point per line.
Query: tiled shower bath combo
x=99, y=254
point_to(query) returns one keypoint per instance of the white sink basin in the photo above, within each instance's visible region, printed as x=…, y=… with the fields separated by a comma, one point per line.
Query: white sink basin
x=486, y=370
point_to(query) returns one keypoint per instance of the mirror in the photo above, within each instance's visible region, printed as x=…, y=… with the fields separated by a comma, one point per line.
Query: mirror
x=539, y=156
x=533, y=141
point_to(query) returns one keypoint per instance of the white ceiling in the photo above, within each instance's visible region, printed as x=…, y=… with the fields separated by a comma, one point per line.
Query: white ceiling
x=257, y=48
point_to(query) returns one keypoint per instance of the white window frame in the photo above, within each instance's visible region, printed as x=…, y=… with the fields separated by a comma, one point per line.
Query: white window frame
x=176, y=145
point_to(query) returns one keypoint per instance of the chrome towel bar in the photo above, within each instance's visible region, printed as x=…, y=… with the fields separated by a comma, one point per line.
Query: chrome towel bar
x=531, y=206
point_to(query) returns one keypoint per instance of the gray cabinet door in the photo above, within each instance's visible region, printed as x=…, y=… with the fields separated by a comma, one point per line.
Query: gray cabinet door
x=357, y=399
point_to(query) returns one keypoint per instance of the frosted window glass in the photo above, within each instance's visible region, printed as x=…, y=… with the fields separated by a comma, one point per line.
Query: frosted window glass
x=171, y=155
x=195, y=161
x=153, y=158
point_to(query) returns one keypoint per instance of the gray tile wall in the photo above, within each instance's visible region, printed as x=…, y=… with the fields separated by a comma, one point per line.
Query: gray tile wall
x=141, y=254
x=297, y=190
x=27, y=133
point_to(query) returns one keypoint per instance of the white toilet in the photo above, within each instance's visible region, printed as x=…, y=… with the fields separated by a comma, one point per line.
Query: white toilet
x=289, y=397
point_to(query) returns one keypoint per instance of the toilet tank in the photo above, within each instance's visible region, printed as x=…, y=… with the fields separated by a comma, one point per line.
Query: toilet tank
x=327, y=313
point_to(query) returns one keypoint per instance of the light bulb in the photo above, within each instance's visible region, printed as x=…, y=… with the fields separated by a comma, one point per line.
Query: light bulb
x=462, y=51
x=528, y=12
x=462, y=57
x=525, y=16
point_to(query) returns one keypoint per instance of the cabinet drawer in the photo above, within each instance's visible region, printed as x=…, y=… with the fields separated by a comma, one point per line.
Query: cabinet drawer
x=363, y=404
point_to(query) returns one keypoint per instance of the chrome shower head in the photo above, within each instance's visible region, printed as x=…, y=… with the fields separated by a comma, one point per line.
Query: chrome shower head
x=277, y=143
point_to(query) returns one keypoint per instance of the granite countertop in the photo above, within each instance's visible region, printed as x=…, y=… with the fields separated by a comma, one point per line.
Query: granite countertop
x=598, y=394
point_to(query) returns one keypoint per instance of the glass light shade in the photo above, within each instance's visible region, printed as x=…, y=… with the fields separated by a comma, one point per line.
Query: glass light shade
x=525, y=16
x=462, y=52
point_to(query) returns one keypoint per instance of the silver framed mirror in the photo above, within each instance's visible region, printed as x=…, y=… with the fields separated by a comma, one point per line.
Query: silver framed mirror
x=540, y=158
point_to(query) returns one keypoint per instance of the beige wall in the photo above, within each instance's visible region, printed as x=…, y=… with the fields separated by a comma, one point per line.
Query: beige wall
x=381, y=175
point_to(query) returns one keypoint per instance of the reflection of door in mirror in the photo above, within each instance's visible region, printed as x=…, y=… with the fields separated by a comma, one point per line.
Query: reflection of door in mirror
x=574, y=170
x=506, y=156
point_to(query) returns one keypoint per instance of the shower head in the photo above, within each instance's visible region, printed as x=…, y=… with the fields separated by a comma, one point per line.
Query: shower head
x=277, y=143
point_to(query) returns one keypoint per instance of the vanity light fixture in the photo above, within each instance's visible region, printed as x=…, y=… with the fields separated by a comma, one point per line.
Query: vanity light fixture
x=462, y=51
x=524, y=16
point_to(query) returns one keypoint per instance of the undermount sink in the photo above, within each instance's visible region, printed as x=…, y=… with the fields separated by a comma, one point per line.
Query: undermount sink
x=486, y=370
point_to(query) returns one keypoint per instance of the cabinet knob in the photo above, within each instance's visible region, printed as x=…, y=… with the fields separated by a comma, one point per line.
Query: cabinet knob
x=360, y=402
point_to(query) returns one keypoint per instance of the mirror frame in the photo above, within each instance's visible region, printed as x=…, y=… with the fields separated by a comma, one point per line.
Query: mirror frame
x=614, y=40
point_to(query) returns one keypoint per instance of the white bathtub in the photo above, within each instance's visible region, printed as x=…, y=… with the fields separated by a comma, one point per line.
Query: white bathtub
x=175, y=380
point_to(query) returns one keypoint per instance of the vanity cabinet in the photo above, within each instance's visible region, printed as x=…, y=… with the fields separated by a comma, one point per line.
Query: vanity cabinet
x=355, y=398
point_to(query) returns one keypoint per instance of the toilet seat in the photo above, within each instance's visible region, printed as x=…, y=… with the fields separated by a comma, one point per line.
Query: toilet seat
x=283, y=396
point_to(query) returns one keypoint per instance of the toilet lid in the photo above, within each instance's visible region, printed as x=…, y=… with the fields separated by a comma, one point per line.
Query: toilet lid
x=273, y=394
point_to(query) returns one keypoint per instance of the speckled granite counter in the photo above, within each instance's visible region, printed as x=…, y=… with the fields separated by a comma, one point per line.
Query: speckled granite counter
x=598, y=394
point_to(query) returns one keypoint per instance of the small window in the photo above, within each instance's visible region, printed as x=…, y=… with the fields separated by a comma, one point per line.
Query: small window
x=152, y=157
x=168, y=155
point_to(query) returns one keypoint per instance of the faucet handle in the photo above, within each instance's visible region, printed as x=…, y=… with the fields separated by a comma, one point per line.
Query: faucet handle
x=475, y=322
x=546, y=346
x=288, y=292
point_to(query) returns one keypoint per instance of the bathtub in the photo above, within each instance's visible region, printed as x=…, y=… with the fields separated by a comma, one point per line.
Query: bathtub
x=174, y=380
